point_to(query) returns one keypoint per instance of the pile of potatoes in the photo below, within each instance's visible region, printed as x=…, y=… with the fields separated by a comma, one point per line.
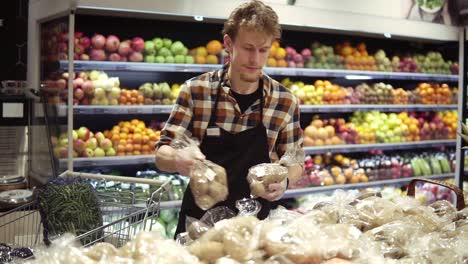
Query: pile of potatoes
x=208, y=182
x=262, y=175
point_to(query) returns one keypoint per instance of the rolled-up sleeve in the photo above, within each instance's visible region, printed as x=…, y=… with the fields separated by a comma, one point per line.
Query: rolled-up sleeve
x=291, y=133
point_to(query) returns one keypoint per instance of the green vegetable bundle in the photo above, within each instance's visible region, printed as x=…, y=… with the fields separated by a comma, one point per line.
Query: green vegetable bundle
x=69, y=205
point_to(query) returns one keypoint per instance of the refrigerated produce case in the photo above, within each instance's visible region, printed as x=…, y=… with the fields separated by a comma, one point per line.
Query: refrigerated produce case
x=148, y=19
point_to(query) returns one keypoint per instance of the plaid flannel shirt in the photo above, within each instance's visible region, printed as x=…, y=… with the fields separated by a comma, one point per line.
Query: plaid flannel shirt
x=192, y=111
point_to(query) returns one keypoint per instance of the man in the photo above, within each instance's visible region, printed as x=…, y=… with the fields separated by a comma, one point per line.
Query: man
x=240, y=115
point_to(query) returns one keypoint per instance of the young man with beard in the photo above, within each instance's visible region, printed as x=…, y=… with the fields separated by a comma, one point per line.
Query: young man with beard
x=241, y=116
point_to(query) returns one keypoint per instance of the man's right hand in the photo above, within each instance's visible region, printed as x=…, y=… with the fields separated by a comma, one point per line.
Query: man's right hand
x=185, y=158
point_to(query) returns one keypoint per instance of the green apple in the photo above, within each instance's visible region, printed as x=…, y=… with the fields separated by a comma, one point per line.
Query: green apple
x=167, y=43
x=170, y=59
x=158, y=43
x=150, y=48
x=150, y=58
x=179, y=59
x=99, y=152
x=111, y=152
x=189, y=60
x=159, y=59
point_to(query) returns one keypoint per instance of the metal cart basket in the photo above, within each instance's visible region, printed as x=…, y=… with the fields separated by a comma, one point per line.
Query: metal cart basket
x=123, y=215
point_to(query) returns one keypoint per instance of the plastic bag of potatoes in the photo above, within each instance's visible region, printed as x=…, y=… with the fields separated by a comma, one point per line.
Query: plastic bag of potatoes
x=208, y=180
x=262, y=175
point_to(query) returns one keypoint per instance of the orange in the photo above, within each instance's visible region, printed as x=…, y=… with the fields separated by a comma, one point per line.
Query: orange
x=136, y=147
x=120, y=153
x=275, y=44
x=137, y=139
x=134, y=93
x=282, y=63
x=212, y=59
x=214, y=47
x=125, y=130
x=272, y=51
x=201, y=51
x=136, y=152
x=115, y=137
x=120, y=148
x=123, y=136
x=200, y=59
x=280, y=53
x=134, y=122
x=133, y=100
x=129, y=147
x=271, y=62
x=145, y=148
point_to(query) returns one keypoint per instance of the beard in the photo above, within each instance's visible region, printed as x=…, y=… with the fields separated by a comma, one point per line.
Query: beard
x=250, y=77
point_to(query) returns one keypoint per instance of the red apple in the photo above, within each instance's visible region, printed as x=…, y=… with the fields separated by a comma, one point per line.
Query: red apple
x=78, y=94
x=138, y=44
x=112, y=43
x=85, y=42
x=136, y=57
x=98, y=41
x=124, y=48
x=79, y=145
x=123, y=59
x=83, y=133
x=114, y=57
x=84, y=101
x=78, y=34
x=88, y=87
x=77, y=83
x=61, y=84
x=98, y=55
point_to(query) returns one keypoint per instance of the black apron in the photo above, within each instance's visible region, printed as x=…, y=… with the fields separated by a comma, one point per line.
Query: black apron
x=236, y=153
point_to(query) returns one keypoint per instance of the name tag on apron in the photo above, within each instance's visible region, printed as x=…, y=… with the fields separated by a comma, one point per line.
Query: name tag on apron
x=213, y=132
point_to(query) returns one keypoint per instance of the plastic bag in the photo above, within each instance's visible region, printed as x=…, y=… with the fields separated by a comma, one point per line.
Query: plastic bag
x=262, y=175
x=375, y=211
x=237, y=238
x=444, y=210
x=293, y=156
x=208, y=181
x=196, y=228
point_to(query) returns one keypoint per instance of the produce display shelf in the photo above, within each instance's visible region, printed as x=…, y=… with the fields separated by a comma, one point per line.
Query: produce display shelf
x=379, y=146
x=322, y=189
x=306, y=72
x=330, y=188
x=166, y=109
x=369, y=107
x=109, y=161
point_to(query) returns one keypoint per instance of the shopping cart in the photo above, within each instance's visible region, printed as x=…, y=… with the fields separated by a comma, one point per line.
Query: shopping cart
x=123, y=215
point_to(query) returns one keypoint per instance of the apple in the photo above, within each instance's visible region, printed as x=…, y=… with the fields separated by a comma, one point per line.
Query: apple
x=84, y=57
x=112, y=43
x=114, y=92
x=124, y=48
x=105, y=144
x=138, y=44
x=88, y=88
x=114, y=57
x=111, y=152
x=78, y=34
x=150, y=47
x=74, y=135
x=135, y=57
x=83, y=133
x=99, y=93
x=79, y=49
x=91, y=143
x=124, y=59
x=60, y=152
x=98, y=55
x=113, y=101
x=78, y=94
x=79, y=145
x=98, y=41
x=99, y=136
x=87, y=153
x=99, y=152
x=84, y=101
x=158, y=43
x=63, y=140
x=85, y=42
x=150, y=58
x=78, y=82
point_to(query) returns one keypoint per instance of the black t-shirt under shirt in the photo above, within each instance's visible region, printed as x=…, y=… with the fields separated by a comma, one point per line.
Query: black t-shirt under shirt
x=246, y=100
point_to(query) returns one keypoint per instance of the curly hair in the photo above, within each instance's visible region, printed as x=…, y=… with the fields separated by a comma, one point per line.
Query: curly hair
x=255, y=15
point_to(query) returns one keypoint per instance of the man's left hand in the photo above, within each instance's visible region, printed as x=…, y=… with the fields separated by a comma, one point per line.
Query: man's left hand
x=276, y=190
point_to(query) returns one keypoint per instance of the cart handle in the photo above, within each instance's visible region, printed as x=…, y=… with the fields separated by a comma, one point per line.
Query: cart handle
x=113, y=178
x=460, y=198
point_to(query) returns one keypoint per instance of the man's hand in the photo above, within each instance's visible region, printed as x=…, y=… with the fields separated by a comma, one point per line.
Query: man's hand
x=185, y=158
x=276, y=190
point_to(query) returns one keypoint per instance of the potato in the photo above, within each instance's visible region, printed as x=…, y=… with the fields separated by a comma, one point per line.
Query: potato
x=204, y=201
x=221, y=175
x=236, y=246
x=199, y=187
x=208, y=251
x=100, y=250
x=267, y=173
x=197, y=229
x=218, y=191
x=257, y=188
